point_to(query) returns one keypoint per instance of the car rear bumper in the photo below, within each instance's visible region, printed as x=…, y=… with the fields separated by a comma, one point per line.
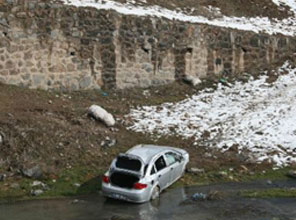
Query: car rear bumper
x=130, y=195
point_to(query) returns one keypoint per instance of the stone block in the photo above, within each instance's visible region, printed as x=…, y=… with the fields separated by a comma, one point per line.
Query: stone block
x=4, y=72
x=85, y=82
x=26, y=76
x=9, y=64
x=2, y=58
x=70, y=67
x=254, y=42
x=29, y=64
x=28, y=55
x=14, y=72
x=37, y=79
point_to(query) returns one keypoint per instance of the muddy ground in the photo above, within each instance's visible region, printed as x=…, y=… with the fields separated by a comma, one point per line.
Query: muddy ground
x=51, y=130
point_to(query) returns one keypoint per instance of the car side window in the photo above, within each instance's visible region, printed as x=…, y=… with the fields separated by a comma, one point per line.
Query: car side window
x=152, y=171
x=171, y=158
x=160, y=163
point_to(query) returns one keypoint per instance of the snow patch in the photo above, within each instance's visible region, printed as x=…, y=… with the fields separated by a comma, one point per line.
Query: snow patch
x=255, y=116
x=289, y=3
x=257, y=24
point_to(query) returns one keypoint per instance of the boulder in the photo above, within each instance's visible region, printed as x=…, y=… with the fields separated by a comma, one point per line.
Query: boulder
x=108, y=142
x=101, y=114
x=38, y=184
x=34, y=172
x=193, y=80
x=37, y=192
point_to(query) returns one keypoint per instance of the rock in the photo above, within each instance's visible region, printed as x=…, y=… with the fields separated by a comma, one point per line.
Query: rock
x=292, y=174
x=77, y=185
x=114, y=129
x=15, y=186
x=75, y=201
x=195, y=170
x=1, y=138
x=34, y=172
x=222, y=174
x=269, y=182
x=108, y=142
x=38, y=183
x=37, y=192
x=2, y=177
x=146, y=93
x=85, y=82
x=192, y=80
x=244, y=168
x=101, y=114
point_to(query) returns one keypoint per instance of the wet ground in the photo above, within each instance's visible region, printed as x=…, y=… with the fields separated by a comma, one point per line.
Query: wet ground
x=174, y=204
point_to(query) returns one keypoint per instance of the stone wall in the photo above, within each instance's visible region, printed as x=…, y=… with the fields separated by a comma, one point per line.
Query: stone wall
x=52, y=46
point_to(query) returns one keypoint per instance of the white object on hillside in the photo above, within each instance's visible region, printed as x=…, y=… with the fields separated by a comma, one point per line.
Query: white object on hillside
x=256, y=24
x=101, y=114
x=193, y=80
x=256, y=116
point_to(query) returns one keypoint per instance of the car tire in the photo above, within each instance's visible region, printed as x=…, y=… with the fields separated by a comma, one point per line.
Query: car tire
x=183, y=172
x=155, y=193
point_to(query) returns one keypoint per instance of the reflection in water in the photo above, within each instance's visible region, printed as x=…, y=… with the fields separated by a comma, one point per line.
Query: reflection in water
x=150, y=210
x=174, y=204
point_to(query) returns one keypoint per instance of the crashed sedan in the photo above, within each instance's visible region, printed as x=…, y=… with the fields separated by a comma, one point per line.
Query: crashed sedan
x=140, y=174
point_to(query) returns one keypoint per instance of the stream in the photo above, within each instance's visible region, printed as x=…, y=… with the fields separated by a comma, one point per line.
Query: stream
x=173, y=204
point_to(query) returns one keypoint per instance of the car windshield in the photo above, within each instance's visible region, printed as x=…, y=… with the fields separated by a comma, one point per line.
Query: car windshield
x=128, y=163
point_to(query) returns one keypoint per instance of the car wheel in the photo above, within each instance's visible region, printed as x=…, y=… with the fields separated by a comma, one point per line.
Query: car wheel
x=183, y=172
x=155, y=193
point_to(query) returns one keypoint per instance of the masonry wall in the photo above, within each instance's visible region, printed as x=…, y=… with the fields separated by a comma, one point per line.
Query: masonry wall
x=52, y=46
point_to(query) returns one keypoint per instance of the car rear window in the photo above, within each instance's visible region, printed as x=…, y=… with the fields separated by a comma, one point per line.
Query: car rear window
x=128, y=163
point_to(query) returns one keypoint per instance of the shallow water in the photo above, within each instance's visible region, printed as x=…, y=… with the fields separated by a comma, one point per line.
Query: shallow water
x=174, y=204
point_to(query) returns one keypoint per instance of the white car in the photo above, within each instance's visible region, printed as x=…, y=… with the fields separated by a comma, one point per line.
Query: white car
x=140, y=174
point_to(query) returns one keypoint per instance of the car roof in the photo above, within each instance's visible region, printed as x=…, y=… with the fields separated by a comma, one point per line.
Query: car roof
x=147, y=151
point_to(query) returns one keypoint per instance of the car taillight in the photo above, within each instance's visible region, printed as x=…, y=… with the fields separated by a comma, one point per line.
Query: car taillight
x=139, y=186
x=105, y=179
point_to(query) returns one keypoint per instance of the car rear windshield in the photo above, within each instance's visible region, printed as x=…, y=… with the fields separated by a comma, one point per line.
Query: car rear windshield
x=128, y=163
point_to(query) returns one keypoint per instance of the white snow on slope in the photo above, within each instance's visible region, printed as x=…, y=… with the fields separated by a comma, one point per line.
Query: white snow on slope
x=256, y=116
x=257, y=24
x=289, y=3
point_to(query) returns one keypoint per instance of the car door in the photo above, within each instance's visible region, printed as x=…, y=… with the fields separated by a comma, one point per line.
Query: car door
x=173, y=164
x=162, y=172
